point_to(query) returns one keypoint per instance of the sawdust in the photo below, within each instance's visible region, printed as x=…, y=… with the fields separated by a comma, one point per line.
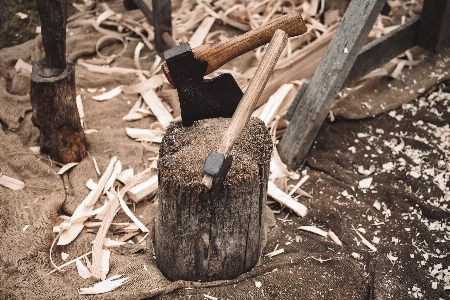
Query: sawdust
x=187, y=148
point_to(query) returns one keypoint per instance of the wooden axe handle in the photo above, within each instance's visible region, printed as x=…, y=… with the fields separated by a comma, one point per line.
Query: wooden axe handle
x=247, y=105
x=218, y=54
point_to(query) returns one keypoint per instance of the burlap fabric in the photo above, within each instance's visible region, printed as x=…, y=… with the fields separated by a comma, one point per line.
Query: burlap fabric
x=412, y=228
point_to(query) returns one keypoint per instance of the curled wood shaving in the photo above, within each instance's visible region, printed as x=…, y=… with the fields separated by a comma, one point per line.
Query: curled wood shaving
x=286, y=200
x=364, y=241
x=109, y=95
x=11, y=183
x=110, y=70
x=67, y=167
x=105, y=286
x=82, y=211
x=314, y=229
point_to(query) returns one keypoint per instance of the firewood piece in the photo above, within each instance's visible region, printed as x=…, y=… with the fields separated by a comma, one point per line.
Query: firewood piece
x=142, y=190
x=55, y=113
x=200, y=239
x=328, y=79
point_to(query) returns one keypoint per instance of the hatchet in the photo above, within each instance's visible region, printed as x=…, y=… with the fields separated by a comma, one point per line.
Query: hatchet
x=218, y=163
x=218, y=97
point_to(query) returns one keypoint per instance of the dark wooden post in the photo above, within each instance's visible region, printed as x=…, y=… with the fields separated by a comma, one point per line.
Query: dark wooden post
x=434, y=26
x=200, y=239
x=53, y=94
x=318, y=96
x=162, y=16
x=2, y=6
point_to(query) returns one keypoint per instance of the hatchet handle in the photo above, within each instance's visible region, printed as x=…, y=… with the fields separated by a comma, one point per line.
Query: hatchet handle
x=247, y=104
x=218, y=54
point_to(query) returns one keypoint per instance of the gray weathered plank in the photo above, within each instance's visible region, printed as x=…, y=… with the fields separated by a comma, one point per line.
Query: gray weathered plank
x=382, y=50
x=434, y=28
x=328, y=80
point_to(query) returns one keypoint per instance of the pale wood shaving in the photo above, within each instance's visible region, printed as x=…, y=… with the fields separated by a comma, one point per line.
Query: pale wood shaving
x=109, y=94
x=67, y=167
x=286, y=200
x=82, y=211
x=105, y=286
x=83, y=271
x=11, y=183
x=314, y=229
x=131, y=215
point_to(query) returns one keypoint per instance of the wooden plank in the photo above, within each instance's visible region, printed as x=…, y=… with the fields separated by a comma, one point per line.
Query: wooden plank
x=382, y=50
x=327, y=80
x=434, y=33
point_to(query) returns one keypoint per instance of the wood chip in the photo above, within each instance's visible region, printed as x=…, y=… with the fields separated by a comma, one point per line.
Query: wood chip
x=334, y=238
x=11, y=183
x=286, y=200
x=83, y=271
x=154, y=103
x=131, y=215
x=314, y=229
x=108, y=95
x=140, y=191
x=67, y=167
x=108, y=285
x=364, y=241
x=22, y=66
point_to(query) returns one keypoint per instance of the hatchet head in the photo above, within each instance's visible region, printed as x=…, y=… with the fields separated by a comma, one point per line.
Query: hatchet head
x=200, y=98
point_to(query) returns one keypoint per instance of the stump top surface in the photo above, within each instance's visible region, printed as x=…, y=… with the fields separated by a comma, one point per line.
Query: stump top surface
x=184, y=150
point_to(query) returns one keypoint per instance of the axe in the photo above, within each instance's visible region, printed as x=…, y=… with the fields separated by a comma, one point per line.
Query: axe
x=218, y=97
x=218, y=163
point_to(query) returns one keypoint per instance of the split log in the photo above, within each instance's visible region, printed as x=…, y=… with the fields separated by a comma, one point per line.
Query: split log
x=52, y=90
x=200, y=239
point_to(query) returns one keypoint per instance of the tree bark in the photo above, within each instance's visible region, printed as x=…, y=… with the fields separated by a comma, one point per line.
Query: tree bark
x=56, y=115
x=200, y=239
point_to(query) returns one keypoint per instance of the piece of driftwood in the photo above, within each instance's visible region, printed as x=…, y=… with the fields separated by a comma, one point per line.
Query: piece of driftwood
x=52, y=90
x=434, y=33
x=328, y=79
x=197, y=238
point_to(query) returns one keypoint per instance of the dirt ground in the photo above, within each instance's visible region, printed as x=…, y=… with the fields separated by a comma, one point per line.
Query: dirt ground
x=378, y=172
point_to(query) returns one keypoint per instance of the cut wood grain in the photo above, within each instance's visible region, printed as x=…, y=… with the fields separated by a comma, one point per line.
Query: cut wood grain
x=328, y=79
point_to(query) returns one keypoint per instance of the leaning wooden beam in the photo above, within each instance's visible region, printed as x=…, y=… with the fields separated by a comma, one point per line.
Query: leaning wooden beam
x=434, y=28
x=374, y=55
x=382, y=50
x=53, y=94
x=328, y=79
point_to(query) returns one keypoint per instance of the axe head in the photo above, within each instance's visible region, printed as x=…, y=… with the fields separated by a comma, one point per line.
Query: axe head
x=199, y=98
x=217, y=166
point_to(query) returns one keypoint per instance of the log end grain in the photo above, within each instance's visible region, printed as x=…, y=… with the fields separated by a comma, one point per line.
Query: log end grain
x=196, y=237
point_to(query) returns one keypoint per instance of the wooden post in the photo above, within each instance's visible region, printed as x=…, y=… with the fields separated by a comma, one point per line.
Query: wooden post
x=162, y=16
x=317, y=98
x=52, y=92
x=434, y=27
x=197, y=238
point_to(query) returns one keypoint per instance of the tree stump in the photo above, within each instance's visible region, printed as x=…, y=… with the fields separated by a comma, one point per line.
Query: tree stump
x=200, y=239
x=56, y=115
x=52, y=90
